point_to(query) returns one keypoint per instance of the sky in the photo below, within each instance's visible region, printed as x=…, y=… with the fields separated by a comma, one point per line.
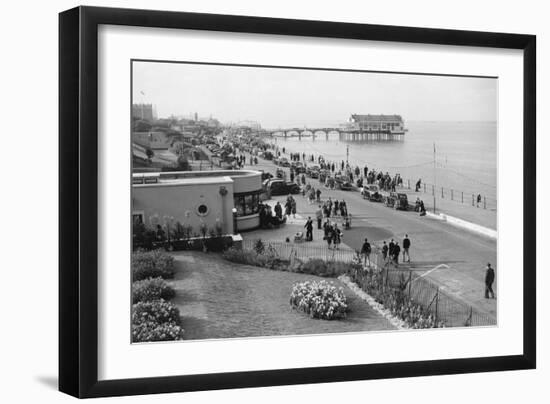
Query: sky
x=279, y=97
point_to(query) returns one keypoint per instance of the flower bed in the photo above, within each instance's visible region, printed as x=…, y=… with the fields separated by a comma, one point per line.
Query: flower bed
x=152, y=264
x=321, y=300
x=395, y=300
x=264, y=255
x=266, y=259
x=156, y=320
x=151, y=331
x=153, y=317
x=151, y=289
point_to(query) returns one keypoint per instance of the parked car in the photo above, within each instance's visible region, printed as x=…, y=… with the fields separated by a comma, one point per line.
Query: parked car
x=266, y=175
x=281, y=187
x=300, y=169
x=283, y=162
x=345, y=185
x=313, y=171
x=398, y=201
x=372, y=193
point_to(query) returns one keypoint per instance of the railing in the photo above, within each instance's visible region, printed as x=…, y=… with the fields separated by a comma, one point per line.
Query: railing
x=303, y=251
x=460, y=196
x=444, y=308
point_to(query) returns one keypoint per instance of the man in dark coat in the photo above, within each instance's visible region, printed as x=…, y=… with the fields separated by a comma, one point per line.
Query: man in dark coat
x=385, y=251
x=390, y=249
x=489, y=279
x=278, y=210
x=309, y=229
x=396, y=252
x=365, y=251
x=406, y=246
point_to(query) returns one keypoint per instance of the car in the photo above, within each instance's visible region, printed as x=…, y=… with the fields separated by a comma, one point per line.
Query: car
x=266, y=175
x=283, y=162
x=313, y=171
x=397, y=200
x=372, y=193
x=299, y=168
x=345, y=185
x=281, y=187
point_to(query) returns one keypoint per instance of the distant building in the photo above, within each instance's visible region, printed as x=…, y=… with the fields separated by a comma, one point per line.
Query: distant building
x=152, y=140
x=143, y=111
x=383, y=123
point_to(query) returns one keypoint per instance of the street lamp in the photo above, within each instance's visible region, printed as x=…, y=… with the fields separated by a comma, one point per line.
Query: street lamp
x=234, y=210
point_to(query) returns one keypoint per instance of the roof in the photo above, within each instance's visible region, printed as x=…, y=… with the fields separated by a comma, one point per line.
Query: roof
x=376, y=118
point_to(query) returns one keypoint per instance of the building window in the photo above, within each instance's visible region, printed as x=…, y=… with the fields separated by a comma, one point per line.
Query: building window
x=202, y=210
x=137, y=218
x=247, y=204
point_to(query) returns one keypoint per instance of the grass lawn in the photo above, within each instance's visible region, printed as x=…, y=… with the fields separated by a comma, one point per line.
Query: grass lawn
x=220, y=299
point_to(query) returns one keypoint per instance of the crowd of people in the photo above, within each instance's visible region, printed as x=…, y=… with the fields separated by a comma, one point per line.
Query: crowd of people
x=390, y=251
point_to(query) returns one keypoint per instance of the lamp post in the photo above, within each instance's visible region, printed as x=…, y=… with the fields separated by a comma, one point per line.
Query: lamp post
x=234, y=210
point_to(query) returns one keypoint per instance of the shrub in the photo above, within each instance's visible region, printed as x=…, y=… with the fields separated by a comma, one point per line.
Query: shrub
x=157, y=311
x=269, y=259
x=259, y=246
x=320, y=300
x=151, y=289
x=152, y=264
x=151, y=331
x=327, y=269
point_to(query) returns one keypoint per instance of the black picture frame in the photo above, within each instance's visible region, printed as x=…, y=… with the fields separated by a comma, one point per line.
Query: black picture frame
x=78, y=200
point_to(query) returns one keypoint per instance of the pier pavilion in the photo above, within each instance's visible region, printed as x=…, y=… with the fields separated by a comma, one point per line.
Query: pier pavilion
x=359, y=128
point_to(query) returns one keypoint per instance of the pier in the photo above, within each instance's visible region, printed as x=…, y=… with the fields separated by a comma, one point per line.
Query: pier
x=353, y=135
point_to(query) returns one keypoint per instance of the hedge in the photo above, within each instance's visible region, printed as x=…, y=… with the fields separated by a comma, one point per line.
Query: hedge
x=152, y=264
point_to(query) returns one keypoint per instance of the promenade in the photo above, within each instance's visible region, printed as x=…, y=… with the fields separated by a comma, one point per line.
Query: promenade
x=460, y=255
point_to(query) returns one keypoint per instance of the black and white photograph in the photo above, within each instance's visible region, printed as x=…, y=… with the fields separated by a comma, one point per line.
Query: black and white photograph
x=273, y=201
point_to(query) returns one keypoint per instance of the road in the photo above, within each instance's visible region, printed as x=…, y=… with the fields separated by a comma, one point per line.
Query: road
x=463, y=253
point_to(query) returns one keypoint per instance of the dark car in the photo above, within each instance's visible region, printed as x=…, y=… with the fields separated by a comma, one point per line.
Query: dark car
x=398, y=201
x=283, y=162
x=299, y=168
x=313, y=171
x=280, y=187
x=266, y=175
x=372, y=193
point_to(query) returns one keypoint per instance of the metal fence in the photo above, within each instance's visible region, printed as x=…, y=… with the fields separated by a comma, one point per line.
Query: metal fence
x=303, y=251
x=444, y=307
x=455, y=195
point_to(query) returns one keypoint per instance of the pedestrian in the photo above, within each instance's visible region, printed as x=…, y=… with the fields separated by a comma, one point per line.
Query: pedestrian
x=288, y=206
x=478, y=199
x=328, y=233
x=319, y=216
x=293, y=208
x=337, y=236
x=309, y=229
x=390, y=249
x=278, y=210
x=385, y=251
x=396, y=251
x=406, y=246
x=418, y=183
x=489, y=279
x=365, y=251
x=318, y=195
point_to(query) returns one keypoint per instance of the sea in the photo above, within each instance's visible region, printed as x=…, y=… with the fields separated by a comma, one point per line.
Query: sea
x=465, y=154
